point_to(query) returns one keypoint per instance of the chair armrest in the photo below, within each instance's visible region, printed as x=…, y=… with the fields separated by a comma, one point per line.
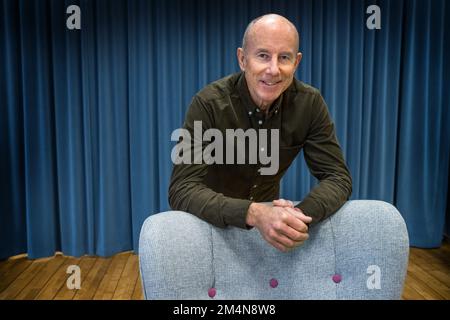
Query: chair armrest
x=175, y=256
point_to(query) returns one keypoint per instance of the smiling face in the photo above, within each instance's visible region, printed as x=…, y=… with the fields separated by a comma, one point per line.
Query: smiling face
x=269, y=58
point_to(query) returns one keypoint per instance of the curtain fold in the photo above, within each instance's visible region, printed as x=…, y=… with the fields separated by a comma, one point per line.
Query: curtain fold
x=87, y=115
x=423, y=144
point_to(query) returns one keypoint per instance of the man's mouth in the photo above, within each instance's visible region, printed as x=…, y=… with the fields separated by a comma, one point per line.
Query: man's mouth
x=270, y=83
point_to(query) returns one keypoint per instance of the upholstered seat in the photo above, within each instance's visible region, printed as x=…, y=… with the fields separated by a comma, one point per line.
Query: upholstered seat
x=360, y=252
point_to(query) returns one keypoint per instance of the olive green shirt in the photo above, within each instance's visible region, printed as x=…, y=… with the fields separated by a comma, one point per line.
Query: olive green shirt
x=222, y=193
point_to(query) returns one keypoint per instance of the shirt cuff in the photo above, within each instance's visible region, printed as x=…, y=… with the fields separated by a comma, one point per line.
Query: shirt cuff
x=312, y=209
x=234, y=212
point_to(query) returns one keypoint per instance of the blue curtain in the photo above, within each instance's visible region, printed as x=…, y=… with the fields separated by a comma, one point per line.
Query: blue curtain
x=86, y=115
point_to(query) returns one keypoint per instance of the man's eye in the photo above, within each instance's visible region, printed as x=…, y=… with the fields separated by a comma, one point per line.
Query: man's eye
x=263, y=56
x=285, y=58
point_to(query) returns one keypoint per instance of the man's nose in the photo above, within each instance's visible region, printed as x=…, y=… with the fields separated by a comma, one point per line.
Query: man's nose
x=273, y=67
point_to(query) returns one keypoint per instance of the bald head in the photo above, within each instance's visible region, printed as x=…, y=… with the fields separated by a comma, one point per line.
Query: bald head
x=270, y=23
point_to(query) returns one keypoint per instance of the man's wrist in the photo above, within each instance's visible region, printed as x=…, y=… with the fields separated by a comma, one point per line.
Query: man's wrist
x=251, y=214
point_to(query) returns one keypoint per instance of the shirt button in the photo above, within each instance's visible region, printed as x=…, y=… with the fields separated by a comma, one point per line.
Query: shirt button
x=251, y=198
x=255, y=185
x=260, y=122
x=262, y=149
x=249, y=113
x=257, y=109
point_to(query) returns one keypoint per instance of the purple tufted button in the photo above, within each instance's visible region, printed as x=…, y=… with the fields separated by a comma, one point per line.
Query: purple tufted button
x=212, y=292
x=273, y=283
x=337, y=278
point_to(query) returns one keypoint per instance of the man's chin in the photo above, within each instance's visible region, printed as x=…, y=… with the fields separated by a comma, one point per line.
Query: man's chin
x=268, y=100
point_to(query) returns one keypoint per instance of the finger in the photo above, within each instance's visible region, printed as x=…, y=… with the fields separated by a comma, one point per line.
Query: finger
x=291, y=233
x=275, y=235
x=283, y=244
x=294, y=220
x=297, y=244
x=298, y=213
x=291, y=204
x=276, y=245
x=283, y=203
x=287, y=242
x=295, y=235
x=278, y=202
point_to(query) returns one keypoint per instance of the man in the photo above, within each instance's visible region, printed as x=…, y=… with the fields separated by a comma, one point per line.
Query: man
x=264, y=95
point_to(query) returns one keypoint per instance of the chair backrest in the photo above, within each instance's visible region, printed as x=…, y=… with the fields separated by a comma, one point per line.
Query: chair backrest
x=183, y=257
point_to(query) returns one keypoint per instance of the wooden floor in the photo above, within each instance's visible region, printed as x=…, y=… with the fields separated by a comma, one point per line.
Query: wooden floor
x=101, y=278
x=117, y=277
x=428, y=276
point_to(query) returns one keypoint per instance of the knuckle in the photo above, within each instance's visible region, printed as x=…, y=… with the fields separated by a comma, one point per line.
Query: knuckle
x=276, y=226
x=290, y=243
x=283, y=215
x=271, y=233
x=298, y=236
x=287, y=242
x=294, y=235
x=304, y=237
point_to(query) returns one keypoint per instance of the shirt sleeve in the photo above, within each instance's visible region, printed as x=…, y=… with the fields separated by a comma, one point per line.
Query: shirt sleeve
x=187, y=190
x=325, y=161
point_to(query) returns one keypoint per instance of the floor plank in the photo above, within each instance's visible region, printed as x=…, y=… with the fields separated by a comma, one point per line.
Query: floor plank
x=13, y=269
x=41, y=279
x=427, y=279
x=92, y=281
x=23, y=279
x=85, y=264
x=443, y=275
x=109, y=282
x=127, y=281
x=137, y=293
x=7, y=265
x=410, y=293
x=59, y=278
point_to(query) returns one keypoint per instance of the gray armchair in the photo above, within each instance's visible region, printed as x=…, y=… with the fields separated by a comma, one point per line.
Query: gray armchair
x=360, y=252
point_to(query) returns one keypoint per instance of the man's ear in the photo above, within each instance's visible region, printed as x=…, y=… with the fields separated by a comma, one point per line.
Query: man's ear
x=241, y=58
x=298, y=59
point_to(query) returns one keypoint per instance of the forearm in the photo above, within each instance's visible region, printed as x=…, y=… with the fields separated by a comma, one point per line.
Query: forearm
x=326, y=198
x=325, y=160
x=188, y=193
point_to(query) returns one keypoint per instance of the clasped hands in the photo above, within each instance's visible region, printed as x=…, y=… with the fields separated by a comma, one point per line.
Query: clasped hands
x=283, y=226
